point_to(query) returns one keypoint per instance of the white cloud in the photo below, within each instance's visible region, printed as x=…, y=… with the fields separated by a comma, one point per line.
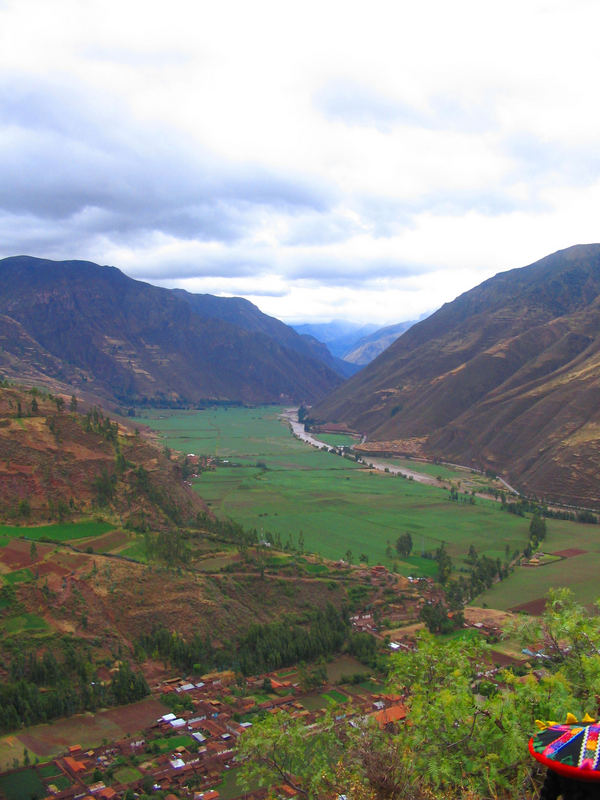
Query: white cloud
x=323, y=159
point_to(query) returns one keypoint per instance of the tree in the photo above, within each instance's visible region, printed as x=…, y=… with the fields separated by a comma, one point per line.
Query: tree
x=444, y=563
x=571, y=642
x=279, y=749
x=435, y=617
x=472, y=555
x=73, y=404
x=537, y=529
x=404, y=544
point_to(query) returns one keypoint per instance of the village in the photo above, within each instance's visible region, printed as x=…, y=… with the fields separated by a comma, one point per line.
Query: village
x=191, y=753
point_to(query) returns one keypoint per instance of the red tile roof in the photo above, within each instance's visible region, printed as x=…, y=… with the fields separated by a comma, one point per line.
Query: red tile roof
x=391, y=714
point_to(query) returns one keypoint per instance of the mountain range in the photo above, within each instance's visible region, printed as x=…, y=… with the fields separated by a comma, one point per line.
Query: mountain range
x=354, y=344
x=506, y=377
x=73, y=325
x=370, y=346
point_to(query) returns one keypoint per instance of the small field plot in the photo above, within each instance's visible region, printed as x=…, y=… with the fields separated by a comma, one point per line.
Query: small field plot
x=229, y=788
x=21, y=785
x=579, y=571
x=19, y=576
x=50, y=740
x=136, y=550
x=172, y=742
x=314, y=702
x=48, y=770
x=107, y=542
x=23, y=623
x=217, y=562
x=63, y=532
x=61, y=782
x=334, y=696
x=127, y=774
x=337, y=439
x=345, y=667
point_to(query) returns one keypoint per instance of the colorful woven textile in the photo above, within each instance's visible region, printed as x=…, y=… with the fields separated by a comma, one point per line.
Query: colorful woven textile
x=572, y=749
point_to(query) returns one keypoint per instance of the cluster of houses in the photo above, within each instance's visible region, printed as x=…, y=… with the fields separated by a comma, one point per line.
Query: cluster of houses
x=187, y=755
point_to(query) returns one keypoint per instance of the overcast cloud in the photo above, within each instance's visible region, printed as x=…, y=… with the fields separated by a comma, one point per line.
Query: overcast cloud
x=331, y=159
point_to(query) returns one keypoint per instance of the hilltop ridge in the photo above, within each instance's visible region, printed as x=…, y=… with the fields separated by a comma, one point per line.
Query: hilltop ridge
x=76, y=325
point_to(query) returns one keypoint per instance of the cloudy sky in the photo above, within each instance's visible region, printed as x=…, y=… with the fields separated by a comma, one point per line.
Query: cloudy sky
x=358, y=160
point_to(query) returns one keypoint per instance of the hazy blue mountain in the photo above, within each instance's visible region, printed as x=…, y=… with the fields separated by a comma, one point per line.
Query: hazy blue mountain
x=340, y=336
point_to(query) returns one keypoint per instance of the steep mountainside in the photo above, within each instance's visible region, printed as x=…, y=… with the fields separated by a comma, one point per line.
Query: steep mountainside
x=244, y=314
x=75, y=324
x=369, y=347
x=507, y=376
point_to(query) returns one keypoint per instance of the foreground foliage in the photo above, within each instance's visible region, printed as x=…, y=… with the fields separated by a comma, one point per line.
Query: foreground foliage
x=468, y=724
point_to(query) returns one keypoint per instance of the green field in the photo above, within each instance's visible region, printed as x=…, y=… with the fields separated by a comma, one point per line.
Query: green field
x=579, y=573
x=137, y=551
x=335, y=697
x=24, y=622
x=229, y=788
x=170, y=743
x=337, y=439
x=61, y=532
x=18, y=576
x=49, y=770
x=61, y=782
x=335, y=505
x=127, y=774
x=21, y=785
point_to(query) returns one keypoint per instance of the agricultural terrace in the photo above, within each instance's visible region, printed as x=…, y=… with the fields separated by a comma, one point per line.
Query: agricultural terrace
x=28, y=553
x=60, y=532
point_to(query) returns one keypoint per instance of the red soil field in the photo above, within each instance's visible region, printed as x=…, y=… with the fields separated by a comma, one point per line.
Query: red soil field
x=503, y=660
x=108, y=541
x=533, y=607
x=569, y=552
x=136, y=716
x=14, y=560
x=90, y=729
x=49, y=568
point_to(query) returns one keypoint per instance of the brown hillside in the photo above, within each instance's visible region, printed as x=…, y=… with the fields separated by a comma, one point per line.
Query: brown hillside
x=57, y=464
x=76, y=324
x=506, y=376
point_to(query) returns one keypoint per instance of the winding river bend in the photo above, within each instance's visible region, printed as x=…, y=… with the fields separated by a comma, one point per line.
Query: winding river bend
x=290, y=416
